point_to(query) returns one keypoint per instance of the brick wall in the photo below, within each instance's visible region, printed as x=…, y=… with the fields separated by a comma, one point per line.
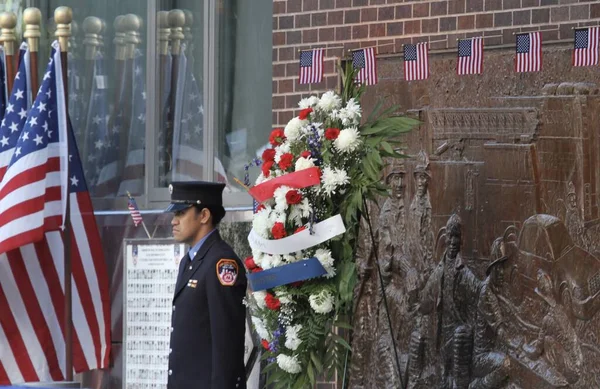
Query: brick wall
x=388, y=24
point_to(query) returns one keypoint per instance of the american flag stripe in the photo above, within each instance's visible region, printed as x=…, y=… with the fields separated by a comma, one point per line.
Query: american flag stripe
x=470, y=56
x=416, y=62
x=365, y=60
x=311, y=66
x=529, y=52
x=585, y=52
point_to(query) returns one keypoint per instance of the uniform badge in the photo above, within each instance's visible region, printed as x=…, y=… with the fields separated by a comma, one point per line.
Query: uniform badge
x=227, y=271
x=192, y=283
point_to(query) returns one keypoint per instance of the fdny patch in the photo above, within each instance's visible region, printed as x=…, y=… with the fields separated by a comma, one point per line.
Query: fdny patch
x=227, y=271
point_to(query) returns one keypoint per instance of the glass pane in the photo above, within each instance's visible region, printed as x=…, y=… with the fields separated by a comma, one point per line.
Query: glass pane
x=244, y=71
x=180, y=96
x=106, y=91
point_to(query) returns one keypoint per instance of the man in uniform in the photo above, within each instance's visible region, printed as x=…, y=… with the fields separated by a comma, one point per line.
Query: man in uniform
x=208, y=319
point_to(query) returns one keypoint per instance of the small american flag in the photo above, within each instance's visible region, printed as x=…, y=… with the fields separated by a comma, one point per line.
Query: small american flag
x=134, y=210
x=416, y=61
x=470, y=56
x=529, y=52
x=586, y=46
x=311, y=66
x=364, y=61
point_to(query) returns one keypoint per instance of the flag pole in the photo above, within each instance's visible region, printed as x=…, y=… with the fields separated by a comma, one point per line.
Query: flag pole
x=143, y=224
x=176, y=22
x=32, y=18
x=8, y=22
x=63, y=17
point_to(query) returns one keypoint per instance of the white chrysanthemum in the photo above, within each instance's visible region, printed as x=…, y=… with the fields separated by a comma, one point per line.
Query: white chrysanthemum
x=308, y=102
x=292, y=129
x=329, y=101
x=289, y=364
x=304, y=163
x=348, y=140
x=260, y=328
x=261, y=223
x=276, y=260
x=324, y=256
x=259, y=297
x=321, y=302
x=279, y=195
x=332, y=179
x=288, y=258
x=292, y=340
x=283, y=296
x=299, y=211
x=352, y=112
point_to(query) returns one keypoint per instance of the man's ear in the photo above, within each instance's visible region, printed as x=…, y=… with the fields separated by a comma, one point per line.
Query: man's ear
x=205, y=216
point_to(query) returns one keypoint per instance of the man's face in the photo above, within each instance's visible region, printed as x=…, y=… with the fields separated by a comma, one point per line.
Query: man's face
x=422, y=182
x=572, y=201
x=186, y=224
x=396, y=182
x=499, y=274
x=453, y=246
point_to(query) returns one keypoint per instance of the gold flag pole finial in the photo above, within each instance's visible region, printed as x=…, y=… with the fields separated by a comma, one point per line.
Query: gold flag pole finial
x=32, y=17
x=132, y=23
x=92, y=26
x=163, y=32
x=119, y=40
x=176, y=22
x=63, y=17
x=8, y=22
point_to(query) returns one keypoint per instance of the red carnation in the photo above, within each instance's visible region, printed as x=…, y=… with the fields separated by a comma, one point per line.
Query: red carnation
x=277, y=137
x=332, y=133
x=305, y=154
x=304, y=113
x=293, y=197
x=265, y=344
x=286, y=161
x=301, y=228
x=278, y=230
x=249, y=262
x=268, y=155
x=272, y=302
x=266, y=168
x=260, y=207
x=257, y=269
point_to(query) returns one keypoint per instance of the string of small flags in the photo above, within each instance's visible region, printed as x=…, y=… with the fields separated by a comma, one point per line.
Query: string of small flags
x=528, y=57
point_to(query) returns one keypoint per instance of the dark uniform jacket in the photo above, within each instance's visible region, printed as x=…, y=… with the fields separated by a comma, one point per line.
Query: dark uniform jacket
x=208, y=322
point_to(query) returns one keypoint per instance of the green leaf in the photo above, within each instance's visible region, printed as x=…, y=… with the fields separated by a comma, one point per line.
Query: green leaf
x=386, y=147
x=341, y=341
x=316, y=362
x=311, y=374
x=343, y=324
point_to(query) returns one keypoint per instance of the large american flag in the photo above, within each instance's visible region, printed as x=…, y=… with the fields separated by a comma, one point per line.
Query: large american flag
x=529, y=52
x=311, y=66
x=585, y=52
x=416, y=61
x=32, y=278
x=470, y=56
x=365, y=61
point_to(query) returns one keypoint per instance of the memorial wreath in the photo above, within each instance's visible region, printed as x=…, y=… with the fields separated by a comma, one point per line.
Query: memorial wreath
x=311, y=193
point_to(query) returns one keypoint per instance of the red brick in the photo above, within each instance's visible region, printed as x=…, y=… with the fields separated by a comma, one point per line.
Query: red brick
x=302, y=20
x=566, y=30
x=329, y=66
x=429, y=26
x=508, y=34
x=440, y=43
x=343, y=33
x=326, y=4
x=474, y=5
x=456, y=7
x=286, y=22
x=294, y=6
x=360, y=3
x=286, y=86
x=466, y=22
x=399, y=43
x=548, y=2
x=521, y=18
x=376, y=2
x=395, y=29
x=559, y=14
x=291, y=69
x=274, y=116
x=377, y=30
x=274, y=55
x=360, y=32
x=580, y=12
x=420, y=10
x=319, y=19
x=368, y=15
x=285, y=116
x=439, y=8
x=492, y=41
x=293, y=37
x=291, y=102
x=310, y=35
x=279, y=70
x=412, y=27
x=595, y=11
x=540, y=16
x=352, y=16
x=278, y=7
x=550, y=35
x=278, y=38
x=404, y=12
x=448, y=24
x=511, y=4
x=484, y=20
x=531, y=3
x=335, y=17
x=492, y=32
x=364, y=44
x=503, y=19
x=492, y=5
x=326, y=34
x=287, y=53
x=275, y=24
x=342, y=3
x=310, y=5
x=386, y=13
